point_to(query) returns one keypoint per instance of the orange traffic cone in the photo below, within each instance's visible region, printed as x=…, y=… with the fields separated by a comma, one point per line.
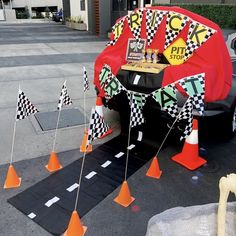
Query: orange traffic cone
x=84, y=143
x=124, y=197
x=75, y=227
x=12, y=179
x=98, y=109
x=53, y=163
x=189, y=156
x=154, y=170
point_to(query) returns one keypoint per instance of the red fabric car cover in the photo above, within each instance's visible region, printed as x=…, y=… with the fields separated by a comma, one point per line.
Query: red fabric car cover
x=211, y=58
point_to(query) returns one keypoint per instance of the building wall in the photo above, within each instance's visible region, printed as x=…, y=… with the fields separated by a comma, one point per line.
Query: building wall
x=36, y=3
x=105, y=16
x=75, y=10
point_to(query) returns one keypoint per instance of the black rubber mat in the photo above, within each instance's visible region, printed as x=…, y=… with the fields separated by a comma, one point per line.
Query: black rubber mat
x=55, y=218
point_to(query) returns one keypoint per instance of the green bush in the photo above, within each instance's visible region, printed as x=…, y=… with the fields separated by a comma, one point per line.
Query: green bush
x=223, y=15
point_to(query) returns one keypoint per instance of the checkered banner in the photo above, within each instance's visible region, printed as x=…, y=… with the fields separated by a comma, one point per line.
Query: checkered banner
x=85, y=78
x=175, y=22
x=166, y=97
x=24, y=106
x=198, y=34
x=64, y=97
x=186, y=114
x=135, y=22
x=104, y=75
x=153, y=21
x=117, y=30
x=137, y=101
x=113, y=87
x=97, y=126
x=194, y=86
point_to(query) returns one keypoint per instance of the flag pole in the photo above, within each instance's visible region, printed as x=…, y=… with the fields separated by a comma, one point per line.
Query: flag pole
x=14, y=131
x=176, y=119
x=127, y=157
x=54, y=142
x=83, y=159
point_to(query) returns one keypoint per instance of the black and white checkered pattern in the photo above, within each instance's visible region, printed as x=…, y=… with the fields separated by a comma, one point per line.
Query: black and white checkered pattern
x=198, y=99
x=192, y=46
x=64, y=97
x=171, y=34
x=97, y=126
x=172, y=109
x=24, y=106
x=101, y=72
x=121, y=23
x=136, y=31
x=136, y=107
x=151, y=30
x=186, y=114
x=85, y=77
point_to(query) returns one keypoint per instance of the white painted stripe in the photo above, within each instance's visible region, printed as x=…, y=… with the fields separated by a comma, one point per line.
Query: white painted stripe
x=72, y=187
x=106, y=164
x=136, y=79
x=90, y=175
x=131, y=146
x=193, y=137
x=52, y=201
x=140, y=136
x=120, y=154
x=31, y=215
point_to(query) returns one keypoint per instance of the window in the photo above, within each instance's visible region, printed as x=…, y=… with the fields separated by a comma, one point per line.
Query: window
x=82, y=5
x=119, y=5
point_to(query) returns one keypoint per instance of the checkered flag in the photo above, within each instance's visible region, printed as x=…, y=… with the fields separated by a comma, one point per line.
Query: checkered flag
x=191, y=45
x=137, y=101
x=153, y=21
x=186, y=114
x=199, y=93
x=136, y=30
x=170, y=33
x=24, y=106
x=64, y=97
x=118, y=26
x=85, y=77
x=97, y=126
x=172, y=109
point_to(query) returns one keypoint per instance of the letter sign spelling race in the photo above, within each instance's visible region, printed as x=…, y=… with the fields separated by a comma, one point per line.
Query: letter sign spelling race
x=175, y=52
x=104, y=75
x=198, y=34
x=118, y=30
x=135, y=20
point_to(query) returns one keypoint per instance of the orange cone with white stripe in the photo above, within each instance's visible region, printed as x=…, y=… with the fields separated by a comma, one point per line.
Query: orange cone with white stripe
x=53, y=163
x=124, y=197
x=75, y=228
x=154, y=169
x=189, y=157
x=99, y=110
x=12, y=179
x=84, y=143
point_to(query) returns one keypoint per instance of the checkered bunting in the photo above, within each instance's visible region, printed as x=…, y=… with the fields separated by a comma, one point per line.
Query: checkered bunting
x=64, y=97
x=104, y=68
x=191, y=46
x=24, y=106
x=137, y=101
x=198, y=98
x=172, y=34
x=172, y=109
x=137, y=30
x=186, y=114
x=153, y=21
x=85, y=77
x=118, y=24
x=97, y=126
x=111, y=83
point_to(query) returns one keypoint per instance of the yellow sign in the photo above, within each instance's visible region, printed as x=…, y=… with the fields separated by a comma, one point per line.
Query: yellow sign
x=175, y=52
x=175, y=22
x=135, y=20
x=118, y=28
x=198, y=34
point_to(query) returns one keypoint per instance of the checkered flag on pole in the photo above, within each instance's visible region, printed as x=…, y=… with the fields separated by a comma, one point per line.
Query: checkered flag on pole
x=153, y=21
x=187, y=114
x=97, y=126
x=117, y=30
x=171, y=33
x=194, y=86
x=24, y=106
x=85, y=77
x=137, y=101
x=136, y=28
x=64, y=97
x=194, y=42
